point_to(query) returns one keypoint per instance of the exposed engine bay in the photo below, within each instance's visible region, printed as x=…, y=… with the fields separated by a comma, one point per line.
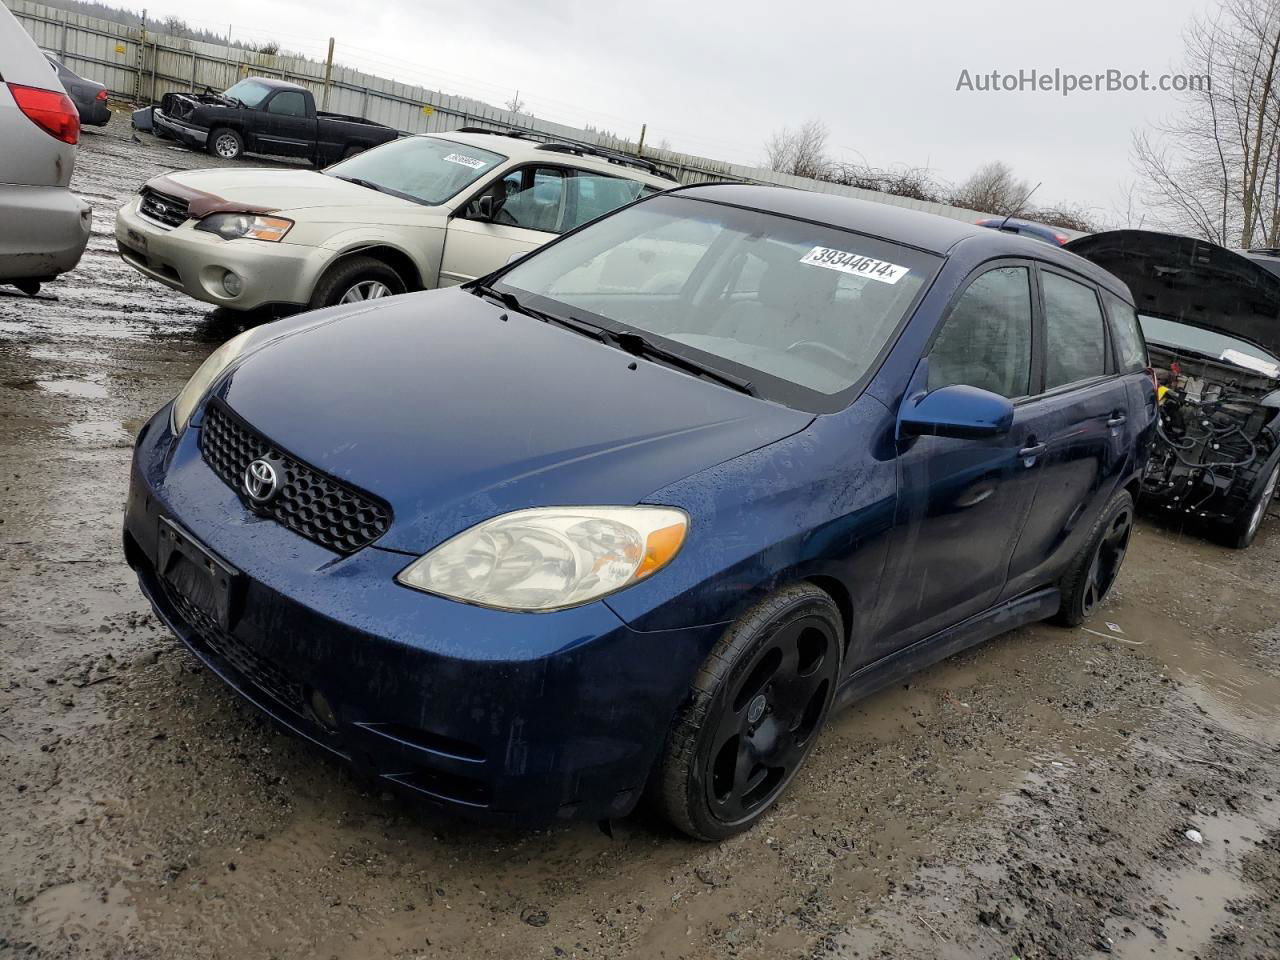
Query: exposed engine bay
x=1218, y=427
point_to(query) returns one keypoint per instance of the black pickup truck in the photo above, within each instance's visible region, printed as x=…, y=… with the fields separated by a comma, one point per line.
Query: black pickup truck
x=261, y=115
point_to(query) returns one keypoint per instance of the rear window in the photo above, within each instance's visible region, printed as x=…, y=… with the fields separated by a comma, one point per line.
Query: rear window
x=1075, y=338
x=1131, y=349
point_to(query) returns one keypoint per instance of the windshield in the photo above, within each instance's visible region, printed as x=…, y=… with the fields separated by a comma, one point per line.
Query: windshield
x=249, y=92
x=1209, y=343
x=780, y=303
x=424, y=169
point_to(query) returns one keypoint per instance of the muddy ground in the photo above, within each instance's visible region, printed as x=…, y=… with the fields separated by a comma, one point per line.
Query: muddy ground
x=1028, y=799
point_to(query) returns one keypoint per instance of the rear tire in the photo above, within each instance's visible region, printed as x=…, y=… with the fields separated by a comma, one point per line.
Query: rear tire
x=754, y=712
x=1241, y=534
x=355, y=280
x=1094, y=569
x=226, y=144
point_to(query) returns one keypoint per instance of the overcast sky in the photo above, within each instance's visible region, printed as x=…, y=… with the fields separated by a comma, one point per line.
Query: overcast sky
x=715, y=77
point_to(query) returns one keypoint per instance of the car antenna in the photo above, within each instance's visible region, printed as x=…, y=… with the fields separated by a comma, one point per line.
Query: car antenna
x=1018, y=209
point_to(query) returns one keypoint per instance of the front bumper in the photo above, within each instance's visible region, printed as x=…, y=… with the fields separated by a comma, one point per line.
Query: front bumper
x=184, y=133
x=55, y=230
x=196, y=262
x=519, y=717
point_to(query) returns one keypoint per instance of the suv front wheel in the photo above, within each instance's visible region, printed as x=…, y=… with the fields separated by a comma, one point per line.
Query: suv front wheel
x=355, y=280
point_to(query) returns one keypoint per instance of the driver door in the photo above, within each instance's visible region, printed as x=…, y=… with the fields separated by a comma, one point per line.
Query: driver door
x=528, y=209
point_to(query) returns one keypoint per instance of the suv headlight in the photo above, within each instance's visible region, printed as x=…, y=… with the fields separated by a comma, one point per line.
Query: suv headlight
x=184, y=404
x=550, y=558
x=231, y=226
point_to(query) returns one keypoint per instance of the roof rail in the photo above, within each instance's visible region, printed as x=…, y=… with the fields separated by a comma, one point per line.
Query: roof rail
x=580, y=148
x=557, y=144
x=510, y=132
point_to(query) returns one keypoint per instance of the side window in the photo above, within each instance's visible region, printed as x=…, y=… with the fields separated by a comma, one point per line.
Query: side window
x=986, y=340
x=537, y=200
x=1131, y=348
x=590, y=195
x=1075, y=338
x=290, y=103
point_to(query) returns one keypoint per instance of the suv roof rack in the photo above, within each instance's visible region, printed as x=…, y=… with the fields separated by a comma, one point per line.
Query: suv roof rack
x=496, y=133
x=581, y=148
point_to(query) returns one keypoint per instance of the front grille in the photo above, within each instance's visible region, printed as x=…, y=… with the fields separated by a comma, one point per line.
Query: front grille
x=163, y=208
x=322, y=509
x=257, y=669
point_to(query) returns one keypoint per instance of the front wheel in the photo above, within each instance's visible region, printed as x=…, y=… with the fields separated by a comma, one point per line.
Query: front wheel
x=1094, y=569
x=226, y=143
x=355, y=280
x=753, y=714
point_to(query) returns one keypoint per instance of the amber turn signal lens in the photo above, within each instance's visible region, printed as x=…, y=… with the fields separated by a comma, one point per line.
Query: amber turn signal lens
x=659, y=548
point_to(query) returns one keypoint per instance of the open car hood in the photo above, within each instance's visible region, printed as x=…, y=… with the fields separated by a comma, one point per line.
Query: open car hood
x=1191, y=281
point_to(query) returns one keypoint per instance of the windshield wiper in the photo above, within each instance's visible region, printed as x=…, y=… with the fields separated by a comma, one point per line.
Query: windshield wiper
x=367, y=184
x=636, y=345
x=512, y=302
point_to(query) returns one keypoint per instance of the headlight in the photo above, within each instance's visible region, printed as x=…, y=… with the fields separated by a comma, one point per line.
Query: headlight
x=550, y=558
x=230, y=226
x=190, y=395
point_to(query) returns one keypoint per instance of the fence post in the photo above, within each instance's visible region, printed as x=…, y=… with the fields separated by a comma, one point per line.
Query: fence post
x=328, y=75
x=194, y=58
x=62, y=43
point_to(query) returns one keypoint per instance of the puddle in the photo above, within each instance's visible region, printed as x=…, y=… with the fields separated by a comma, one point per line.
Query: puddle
x=112, y=432
x=1196, y=897
x=82, y=389
x=72, y=910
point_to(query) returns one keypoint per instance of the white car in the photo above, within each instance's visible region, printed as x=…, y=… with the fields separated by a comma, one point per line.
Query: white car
x=413, y=214
x=43, y=226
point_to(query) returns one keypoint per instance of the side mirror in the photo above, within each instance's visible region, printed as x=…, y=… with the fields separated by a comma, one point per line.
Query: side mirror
x=484, y=208
x=958, y=411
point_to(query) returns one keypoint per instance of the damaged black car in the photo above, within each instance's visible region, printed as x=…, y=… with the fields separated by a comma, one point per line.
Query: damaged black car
x=1211, y=320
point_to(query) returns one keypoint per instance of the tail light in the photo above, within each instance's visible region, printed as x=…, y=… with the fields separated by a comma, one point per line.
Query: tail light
x=1155, y=381
x=51, y=111
x=102, y=95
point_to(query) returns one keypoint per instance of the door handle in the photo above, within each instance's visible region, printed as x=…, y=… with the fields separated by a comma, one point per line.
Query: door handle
x=1029, y=453
x=1117, y=420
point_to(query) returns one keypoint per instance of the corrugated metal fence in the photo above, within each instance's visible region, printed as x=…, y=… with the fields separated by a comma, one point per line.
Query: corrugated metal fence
x=141, y=67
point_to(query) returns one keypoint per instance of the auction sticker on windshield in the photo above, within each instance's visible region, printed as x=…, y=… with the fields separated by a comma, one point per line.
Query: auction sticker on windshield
x=466, y=161
x=855, y=263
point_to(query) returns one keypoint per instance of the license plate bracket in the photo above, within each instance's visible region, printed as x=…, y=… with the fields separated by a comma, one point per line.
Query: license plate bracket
x=208, y=583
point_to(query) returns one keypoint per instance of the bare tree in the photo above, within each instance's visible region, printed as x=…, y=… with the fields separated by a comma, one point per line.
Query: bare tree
x=801, y=152
x=515, y=104
x=1068, y=216
x=176, y=27
x=1214, y=169
x=992, y=188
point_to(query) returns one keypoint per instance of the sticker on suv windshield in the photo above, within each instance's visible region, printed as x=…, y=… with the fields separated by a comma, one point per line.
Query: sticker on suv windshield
x=466, y=161
x=855, y=263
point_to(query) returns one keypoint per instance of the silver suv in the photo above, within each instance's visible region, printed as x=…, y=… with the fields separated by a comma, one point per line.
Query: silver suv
x=43, y=227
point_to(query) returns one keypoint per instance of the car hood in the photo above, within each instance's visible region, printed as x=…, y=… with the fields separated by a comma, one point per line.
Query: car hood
x=1191, y=281
x=258, y=190
x=454, y=411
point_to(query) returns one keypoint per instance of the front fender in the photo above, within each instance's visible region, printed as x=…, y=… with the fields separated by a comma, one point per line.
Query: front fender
x=817, y=504
x=423, y=248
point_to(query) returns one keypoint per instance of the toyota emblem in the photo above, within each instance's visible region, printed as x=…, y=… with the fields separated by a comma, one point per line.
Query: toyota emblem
x=260, y=481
